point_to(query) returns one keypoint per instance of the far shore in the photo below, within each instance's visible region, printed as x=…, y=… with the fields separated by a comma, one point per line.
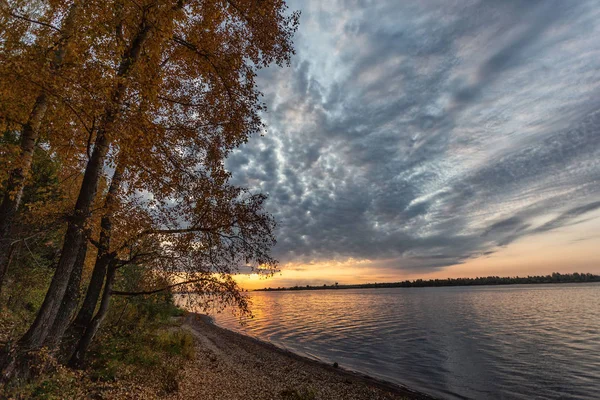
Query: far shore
x=555, y=278
x=230, y=365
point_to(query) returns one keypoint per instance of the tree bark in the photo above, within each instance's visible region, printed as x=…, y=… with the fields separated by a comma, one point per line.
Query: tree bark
x=86, y=312
x=75, y=238
x=78, y=358
x=103, y=259
x=69, y=303
x=29, y=136
x=5, y=263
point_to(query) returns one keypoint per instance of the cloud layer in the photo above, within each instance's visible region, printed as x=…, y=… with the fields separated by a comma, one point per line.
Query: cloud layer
x=425, y=133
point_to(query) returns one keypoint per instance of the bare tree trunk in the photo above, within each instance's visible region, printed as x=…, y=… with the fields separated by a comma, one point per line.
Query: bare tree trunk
x=86, y=312
x=29, y=136
x=78, y=358
x=69, y=303
x=75, y=238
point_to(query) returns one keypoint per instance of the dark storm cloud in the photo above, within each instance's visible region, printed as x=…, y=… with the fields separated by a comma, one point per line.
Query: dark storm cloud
x=422, y=134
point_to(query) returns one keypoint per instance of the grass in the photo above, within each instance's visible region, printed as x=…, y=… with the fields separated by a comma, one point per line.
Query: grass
x=139, y=351
x=143, y=341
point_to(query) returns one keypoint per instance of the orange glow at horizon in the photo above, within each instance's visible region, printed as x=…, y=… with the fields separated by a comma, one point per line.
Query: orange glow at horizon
x=574, y=248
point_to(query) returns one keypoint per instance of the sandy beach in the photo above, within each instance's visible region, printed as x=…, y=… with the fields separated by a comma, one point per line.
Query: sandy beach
x=232, y=366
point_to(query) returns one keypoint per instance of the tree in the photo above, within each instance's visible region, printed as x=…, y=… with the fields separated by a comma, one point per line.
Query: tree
x=44, y=200
x=20, y=55
x=173, y=93
x=228, y=232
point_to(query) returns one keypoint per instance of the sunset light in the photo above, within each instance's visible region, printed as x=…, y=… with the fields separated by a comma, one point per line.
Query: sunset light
x=300, y=199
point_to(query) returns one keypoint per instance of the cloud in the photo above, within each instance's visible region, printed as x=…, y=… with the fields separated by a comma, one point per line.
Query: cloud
x=422, y=134
x=568, y=217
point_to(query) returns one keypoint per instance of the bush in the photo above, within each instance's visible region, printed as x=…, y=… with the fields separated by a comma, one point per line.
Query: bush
x=142, y=340
x=140, y=345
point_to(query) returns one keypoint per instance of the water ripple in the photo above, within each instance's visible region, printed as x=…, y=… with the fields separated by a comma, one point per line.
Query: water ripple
x=517, y=342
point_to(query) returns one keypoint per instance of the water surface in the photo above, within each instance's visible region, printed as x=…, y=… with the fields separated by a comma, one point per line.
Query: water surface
x=492, y=342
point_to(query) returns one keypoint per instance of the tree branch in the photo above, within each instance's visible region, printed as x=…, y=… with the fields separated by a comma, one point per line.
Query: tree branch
x=34, y=21
x=148, y=292
x=212, y=229
x=94, y=242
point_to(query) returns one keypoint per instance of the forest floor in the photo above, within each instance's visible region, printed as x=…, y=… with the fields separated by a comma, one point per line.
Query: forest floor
x=232, y=366
x=139, y=353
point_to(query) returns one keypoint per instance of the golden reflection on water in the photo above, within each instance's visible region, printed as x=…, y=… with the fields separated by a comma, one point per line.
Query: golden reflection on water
x=518, y=341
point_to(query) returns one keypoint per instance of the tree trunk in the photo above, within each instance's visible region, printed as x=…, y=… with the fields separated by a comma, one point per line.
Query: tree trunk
x=75, y=236
x=6, y=263
x=78, y=358
x=17, y=178
x=86, y=312
x=29, y=136
x=103, y=259
x=69, y=303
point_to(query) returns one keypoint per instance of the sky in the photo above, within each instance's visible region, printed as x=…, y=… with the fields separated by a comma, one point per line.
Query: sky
x=432, y=138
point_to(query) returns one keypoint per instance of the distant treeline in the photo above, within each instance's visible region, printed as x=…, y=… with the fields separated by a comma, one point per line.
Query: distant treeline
x=488, y=280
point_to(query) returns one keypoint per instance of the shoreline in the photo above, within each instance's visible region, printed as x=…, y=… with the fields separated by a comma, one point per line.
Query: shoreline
x=271, y=372
x=436, y=283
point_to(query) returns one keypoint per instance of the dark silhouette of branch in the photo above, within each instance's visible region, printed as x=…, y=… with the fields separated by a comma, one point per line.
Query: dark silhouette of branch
x=148, y=292
x=33, y=21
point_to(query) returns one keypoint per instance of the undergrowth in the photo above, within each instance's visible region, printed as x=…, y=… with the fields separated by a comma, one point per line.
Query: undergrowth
x=138, y=353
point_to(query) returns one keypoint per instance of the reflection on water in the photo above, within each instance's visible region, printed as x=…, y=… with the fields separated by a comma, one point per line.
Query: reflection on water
x=523, y=341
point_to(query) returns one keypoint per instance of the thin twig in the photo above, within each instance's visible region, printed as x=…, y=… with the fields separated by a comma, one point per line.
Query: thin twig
x=34, y=21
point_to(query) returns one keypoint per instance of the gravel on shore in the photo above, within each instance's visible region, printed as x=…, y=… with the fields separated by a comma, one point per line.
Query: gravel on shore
x=232, y=366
